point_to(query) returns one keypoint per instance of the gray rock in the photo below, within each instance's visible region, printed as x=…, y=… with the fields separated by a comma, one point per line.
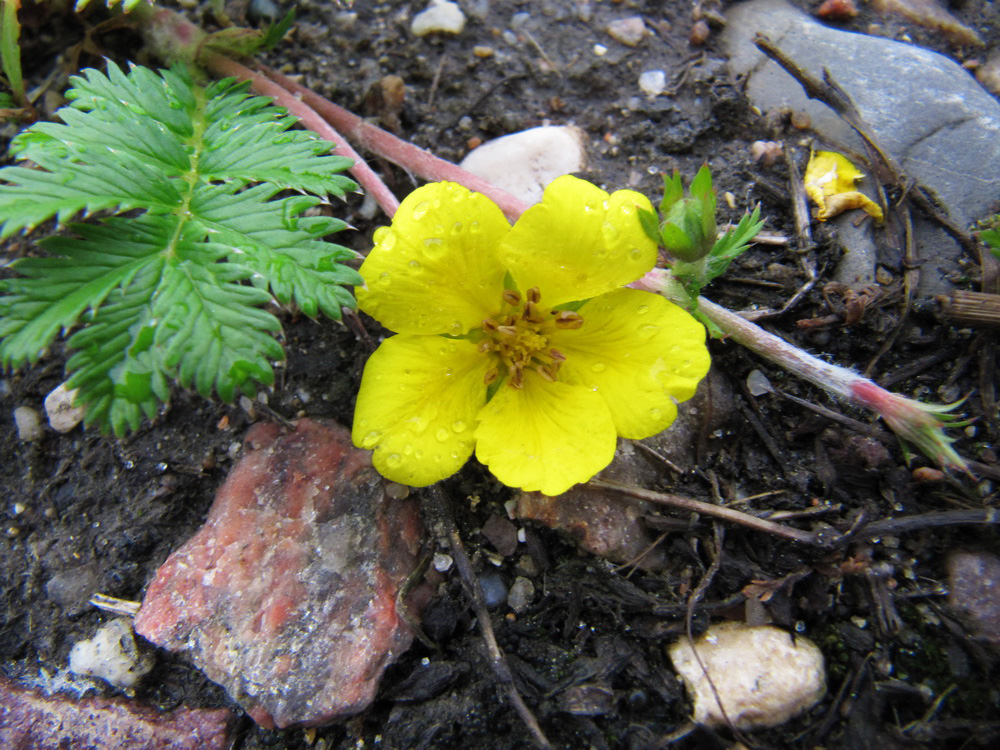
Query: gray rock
x=926, y=111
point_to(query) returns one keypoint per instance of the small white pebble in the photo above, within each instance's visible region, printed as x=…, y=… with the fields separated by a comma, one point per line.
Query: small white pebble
x=440, y=15
x=761, y=675
x=111, y=655
x=524, y=163
x=521, y=594
x=19, y=508
x=29, y=423
x=600, y=50
x=442, y=563
x=653, y=82
x=629, y=31
x=758, y=384
x=63, y=415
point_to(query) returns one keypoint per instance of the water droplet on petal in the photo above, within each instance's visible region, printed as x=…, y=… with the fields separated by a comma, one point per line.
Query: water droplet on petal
x=456, y=228
x=420, y=210
x=635, y=253
x=370, y=440
x=474, y=227
x=649, y=330
x=414, y=264
x=598, y=367
x=434, y=245
x=656, y=414
x=642, y=309
x=393, y=460
x=441, y=435
x=407, y=450
x=458, y=425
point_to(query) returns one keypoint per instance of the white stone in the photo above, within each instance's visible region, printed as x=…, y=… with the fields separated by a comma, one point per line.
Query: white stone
x=628, y=31
x=524, y=163
x=111, y=655
x=653, y=82
x=63, y=415
x=521, y=593
x=440, y=15
x=763, y=676
x=29, y=423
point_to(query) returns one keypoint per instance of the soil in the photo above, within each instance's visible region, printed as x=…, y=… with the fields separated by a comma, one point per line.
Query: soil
x=84, y=513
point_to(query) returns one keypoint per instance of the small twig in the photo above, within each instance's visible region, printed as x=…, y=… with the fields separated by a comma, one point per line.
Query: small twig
x=920, y=521
x=715, y=511
x=438, y=505
x=112, y=604
x=911, y=276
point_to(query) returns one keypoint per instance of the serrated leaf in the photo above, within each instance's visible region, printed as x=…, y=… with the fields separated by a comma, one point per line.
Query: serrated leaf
x=174, y=292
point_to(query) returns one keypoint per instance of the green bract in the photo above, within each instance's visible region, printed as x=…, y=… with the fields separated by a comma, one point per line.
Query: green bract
x=174, y=288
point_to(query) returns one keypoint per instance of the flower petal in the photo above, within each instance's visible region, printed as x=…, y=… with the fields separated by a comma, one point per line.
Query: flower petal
x=579, y=242
x=545, y=436
x=640, y=353
x=436, y=269
x=417, y=407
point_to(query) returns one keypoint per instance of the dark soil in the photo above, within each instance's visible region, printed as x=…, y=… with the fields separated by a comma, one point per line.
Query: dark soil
x=98, y=514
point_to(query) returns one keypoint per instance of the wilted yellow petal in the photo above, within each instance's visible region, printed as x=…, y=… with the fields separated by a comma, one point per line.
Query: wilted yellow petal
x=436, y=269
x=830, y=182
x=545, y=437
x=579, y=242
x=640, y=353
x=417, y=407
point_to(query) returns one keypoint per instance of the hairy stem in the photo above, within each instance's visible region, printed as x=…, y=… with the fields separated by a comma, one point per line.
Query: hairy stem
x=914, y=422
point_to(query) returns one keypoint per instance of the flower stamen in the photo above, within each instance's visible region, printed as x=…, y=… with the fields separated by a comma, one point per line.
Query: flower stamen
x=520, y=338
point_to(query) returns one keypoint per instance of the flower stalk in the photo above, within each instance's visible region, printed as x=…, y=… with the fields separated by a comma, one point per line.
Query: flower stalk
x=913, y=422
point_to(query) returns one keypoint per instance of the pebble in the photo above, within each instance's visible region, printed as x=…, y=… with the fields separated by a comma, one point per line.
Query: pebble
x=653, y=82
x=522, y=593
x=63, y=415
x=974, y=591
x=31, y=719
x=524, y=163
x=287, y=595
x=29, y=423
x=494, y=590
x=629, y=31
x=927, y=111
x=988, y=74
x=112, y=655
x=502, y=534
x=762, y=676
x=440, y=16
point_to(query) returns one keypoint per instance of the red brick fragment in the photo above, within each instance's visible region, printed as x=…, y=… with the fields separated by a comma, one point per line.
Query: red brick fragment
x=29, y=719
x=287, y=595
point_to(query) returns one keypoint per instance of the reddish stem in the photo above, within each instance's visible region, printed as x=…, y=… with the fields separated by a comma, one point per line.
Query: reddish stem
x=422, y=163
x=364, y=174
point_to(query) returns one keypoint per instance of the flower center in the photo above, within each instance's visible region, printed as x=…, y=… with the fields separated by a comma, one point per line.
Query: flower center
x=519, y=338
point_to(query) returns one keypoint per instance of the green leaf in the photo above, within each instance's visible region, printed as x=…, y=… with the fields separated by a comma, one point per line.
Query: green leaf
x=276, y=31
x=175, y=291
x=673, y=191
x=731, y=245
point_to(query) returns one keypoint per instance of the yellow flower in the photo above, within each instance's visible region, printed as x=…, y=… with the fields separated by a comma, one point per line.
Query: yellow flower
x=494, y=353
x=830, y=180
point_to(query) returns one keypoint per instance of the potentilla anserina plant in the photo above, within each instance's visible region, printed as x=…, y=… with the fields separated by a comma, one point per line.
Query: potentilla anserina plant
x=518, y=343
